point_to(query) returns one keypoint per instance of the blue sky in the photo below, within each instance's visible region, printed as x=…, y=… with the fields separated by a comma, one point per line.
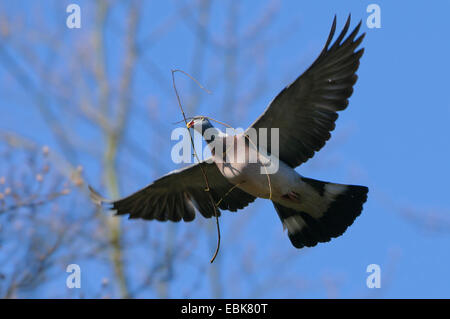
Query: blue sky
x=393, y=138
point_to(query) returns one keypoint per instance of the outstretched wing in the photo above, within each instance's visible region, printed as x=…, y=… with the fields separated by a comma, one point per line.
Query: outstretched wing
x=174, y=196
x=306, y=110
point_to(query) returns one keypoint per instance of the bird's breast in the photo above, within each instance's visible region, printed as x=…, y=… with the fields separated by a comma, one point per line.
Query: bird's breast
x=257, y=180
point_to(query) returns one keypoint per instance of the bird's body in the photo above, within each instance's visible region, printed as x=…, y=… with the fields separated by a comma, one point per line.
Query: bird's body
x=254, y=177
x=285, y=187
x=241, y=168
x=269, y=186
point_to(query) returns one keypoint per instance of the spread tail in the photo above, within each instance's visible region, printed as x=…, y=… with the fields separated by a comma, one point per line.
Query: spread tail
x=329, y=210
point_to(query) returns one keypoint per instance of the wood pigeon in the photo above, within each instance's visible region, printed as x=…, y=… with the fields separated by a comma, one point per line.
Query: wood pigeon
x=304, y=113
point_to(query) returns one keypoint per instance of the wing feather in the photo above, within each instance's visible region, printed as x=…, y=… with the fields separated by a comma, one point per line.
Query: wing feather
x=176, y=195
x=306, y=110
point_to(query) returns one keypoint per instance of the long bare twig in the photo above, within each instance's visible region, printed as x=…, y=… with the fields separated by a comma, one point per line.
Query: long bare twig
x=205, y=177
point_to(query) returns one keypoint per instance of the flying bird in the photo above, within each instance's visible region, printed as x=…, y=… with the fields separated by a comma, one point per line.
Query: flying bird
x=304, y=113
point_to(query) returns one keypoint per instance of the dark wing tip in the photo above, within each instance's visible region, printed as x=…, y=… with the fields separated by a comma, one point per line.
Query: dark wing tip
x=331, y=35
x=96, y=198
x=341, y=36
x=343, y=32
x=360, y=39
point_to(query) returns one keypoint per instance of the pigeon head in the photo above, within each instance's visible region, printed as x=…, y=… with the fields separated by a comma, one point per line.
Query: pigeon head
x=200, y=124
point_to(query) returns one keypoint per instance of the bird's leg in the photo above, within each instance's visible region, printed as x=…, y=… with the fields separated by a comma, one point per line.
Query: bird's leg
x=293, y=196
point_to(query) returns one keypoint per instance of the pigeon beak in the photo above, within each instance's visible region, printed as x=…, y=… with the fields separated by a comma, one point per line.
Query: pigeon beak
x=190, y=124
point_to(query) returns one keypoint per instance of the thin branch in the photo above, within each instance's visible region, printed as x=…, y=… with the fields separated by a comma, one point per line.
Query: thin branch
x=205, y=177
